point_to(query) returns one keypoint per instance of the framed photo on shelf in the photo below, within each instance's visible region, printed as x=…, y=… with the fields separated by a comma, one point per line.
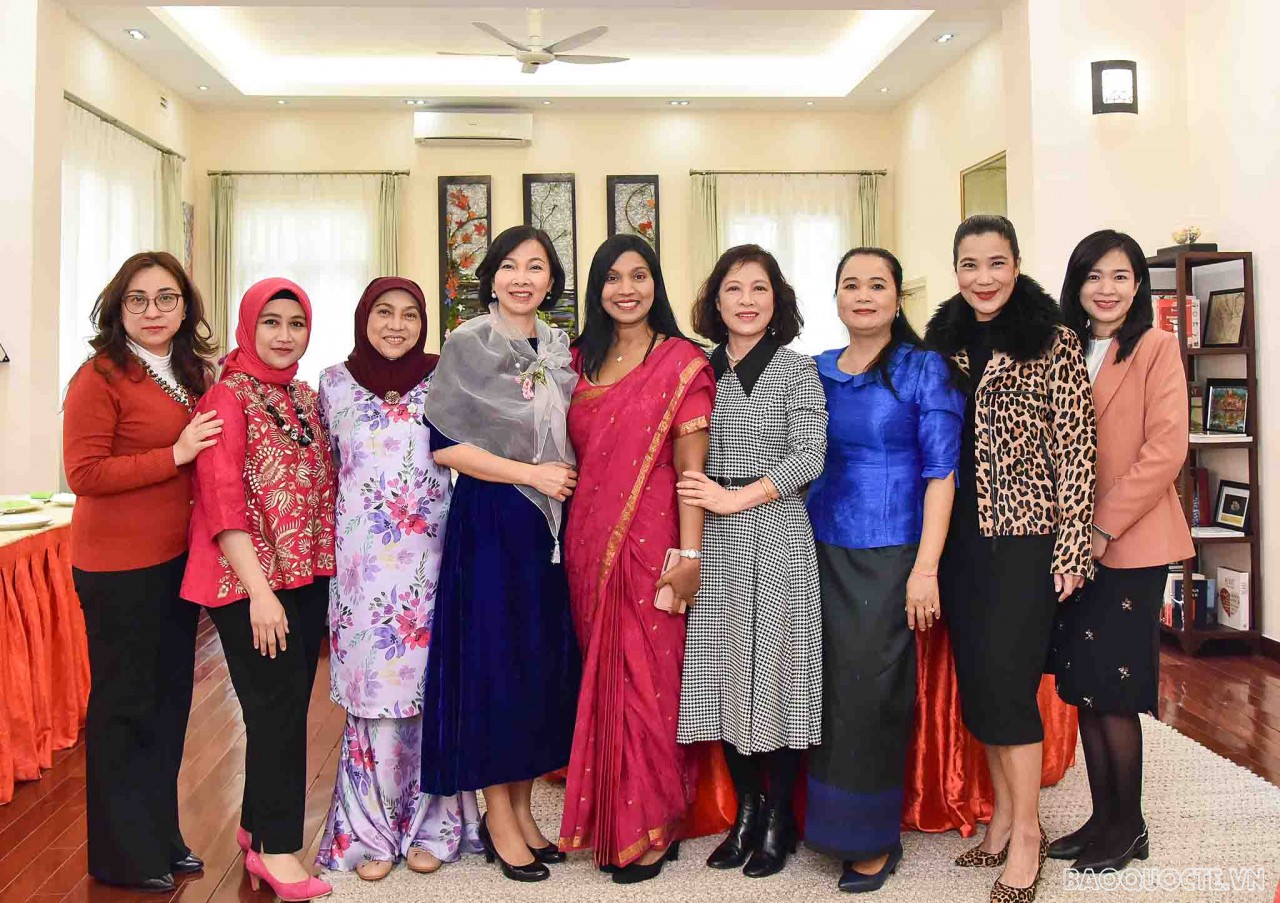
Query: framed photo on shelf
x=633, y=207
x=1232, y=508
x=1224, y=320
x=1226, y=405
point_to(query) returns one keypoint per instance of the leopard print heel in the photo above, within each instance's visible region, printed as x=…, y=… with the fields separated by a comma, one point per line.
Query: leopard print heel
x=1003, y=893
x=981, y=859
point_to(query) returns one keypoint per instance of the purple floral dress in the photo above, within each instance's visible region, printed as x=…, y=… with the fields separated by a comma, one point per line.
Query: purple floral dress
x=392, y=503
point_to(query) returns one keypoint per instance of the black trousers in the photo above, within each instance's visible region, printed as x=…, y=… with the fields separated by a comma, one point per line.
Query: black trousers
x=142, y=640
x=274, y=694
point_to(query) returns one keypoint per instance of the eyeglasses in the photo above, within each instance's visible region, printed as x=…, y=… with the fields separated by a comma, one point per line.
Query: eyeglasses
x=166, y=302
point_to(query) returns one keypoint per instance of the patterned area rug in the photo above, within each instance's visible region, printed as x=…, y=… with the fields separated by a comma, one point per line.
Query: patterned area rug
x=1215, y=835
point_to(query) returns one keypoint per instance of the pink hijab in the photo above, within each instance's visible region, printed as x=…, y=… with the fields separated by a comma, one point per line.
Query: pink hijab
x=244, y=359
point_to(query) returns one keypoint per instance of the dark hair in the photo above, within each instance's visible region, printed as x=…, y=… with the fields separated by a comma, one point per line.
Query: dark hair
x=287, y=294
x=900, y=331
x=193, y=347
x=500, y=249
x=786, y=322
x=982, y=224
x=1083, y=259
x=598, y=327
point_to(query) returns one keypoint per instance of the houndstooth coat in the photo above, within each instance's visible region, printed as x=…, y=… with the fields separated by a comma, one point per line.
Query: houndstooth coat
x=753, y=654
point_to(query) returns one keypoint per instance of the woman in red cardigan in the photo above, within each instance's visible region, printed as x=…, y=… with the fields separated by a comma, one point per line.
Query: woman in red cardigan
x=262, y=553
x=128, y=440
x=1106, y=644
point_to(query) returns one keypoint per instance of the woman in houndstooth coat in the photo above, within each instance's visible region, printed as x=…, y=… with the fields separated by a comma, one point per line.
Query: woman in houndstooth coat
x=753, y=655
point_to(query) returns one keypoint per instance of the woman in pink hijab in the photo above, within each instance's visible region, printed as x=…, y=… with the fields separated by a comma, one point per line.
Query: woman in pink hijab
x=262, y=553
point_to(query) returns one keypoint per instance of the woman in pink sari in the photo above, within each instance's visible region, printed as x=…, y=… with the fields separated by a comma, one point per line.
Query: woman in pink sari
x=638, y=419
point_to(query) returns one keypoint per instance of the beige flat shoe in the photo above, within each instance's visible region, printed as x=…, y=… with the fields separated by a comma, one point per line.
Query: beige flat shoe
x=422, y=862
x=374, y=869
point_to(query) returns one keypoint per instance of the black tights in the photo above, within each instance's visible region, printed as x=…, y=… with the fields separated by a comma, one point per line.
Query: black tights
x=772, y=773
x=1113, y=754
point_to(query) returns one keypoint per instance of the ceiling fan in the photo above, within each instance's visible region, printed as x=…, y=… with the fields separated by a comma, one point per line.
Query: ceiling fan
x=533, y=53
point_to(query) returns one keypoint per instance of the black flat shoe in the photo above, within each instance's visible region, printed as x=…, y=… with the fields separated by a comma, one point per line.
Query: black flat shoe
x=1071, y=846
x=534, y=871
x=635, y=872
x=777, y=841
x=187, y=864
x=1094, y=860
x=549, y=855
x=744, y=836
x=855, y=882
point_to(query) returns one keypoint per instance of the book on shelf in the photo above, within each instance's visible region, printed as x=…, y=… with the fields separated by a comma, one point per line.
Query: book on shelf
x=1203, y=592
x=1167, y=315
x=1233, y=598
x=1216, y=533
x=1196, y=392
x=1203, y=438
x=1198, y=482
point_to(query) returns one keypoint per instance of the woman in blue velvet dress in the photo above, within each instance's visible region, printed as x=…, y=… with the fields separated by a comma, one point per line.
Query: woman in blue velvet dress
x=880, y=513
x=502, y=678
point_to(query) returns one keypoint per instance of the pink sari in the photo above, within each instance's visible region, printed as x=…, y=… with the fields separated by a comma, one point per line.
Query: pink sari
x=629, y=784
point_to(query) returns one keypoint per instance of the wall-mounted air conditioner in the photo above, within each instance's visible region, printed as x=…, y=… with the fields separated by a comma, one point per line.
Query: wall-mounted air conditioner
x=492, y=129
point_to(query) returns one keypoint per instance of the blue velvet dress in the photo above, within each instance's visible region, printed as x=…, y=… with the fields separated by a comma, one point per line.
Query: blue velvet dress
x=502, y=679
x=867, y=511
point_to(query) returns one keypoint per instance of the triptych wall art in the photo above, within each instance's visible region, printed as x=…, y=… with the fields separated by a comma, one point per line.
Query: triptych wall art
x=550, y=204
x=466, y=228
x=633, y=207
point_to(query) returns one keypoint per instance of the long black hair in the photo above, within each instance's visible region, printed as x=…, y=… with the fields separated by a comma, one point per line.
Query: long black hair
x=900, y=331
x=1084, y=258
x=598, y=327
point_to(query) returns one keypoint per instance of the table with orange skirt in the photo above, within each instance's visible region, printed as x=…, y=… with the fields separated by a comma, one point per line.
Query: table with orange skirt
x=948, y=786
x=44, y=654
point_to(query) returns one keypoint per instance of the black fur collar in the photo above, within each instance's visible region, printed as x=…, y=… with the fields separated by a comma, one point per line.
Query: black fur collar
x=1024, y=330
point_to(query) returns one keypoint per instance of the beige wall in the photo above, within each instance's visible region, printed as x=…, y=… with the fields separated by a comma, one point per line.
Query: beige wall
x=591, y=145
x=952, y=123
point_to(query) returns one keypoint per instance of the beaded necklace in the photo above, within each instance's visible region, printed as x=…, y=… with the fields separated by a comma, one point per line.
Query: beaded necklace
x=177, y=393
x=302, y=435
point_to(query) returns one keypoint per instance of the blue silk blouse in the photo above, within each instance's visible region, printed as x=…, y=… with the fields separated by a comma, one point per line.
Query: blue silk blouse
x=881, y=450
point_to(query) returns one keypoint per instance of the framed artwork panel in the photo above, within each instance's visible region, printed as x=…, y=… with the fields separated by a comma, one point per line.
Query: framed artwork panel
x=1224, y=319
x=550, y=204
x=1226, y=405
x=466, y=229
x=633, y=207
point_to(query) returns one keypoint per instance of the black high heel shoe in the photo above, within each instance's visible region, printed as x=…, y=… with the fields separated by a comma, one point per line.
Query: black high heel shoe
x=1093, y=861
x=744, y=836
x=1071, y=846
x=549, y=855
x=534, y=871
x=778, y=841
x=635, y=872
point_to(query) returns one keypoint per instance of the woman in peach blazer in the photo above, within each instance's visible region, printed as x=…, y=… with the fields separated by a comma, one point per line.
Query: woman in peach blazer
x=1106, y=642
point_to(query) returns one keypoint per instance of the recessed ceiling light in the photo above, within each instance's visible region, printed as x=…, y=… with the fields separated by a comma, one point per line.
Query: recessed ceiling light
x=136, y=33
x=884, y=90
x=944, y=38
x=282, y=102
x=203, y=87
x=416, y=103
x=678, y=103
x=808, y=103
x=546, y=103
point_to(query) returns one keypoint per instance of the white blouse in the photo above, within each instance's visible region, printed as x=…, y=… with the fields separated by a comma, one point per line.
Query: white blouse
x=1096, y=354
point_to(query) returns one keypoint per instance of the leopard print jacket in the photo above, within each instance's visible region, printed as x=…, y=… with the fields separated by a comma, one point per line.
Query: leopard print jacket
x=1036, y=439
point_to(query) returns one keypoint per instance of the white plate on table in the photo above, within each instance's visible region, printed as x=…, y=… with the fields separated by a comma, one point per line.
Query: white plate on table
x=11, y=505
x=25, y=521
x=63, y=499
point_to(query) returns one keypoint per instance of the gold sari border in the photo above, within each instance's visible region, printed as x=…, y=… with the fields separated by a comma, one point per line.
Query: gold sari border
x=689, y=427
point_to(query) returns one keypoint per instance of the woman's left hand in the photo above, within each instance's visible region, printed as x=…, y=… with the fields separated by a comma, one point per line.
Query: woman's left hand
x=1100, y=544
x=923, y=604
x=1065, y=585
x=701, y=491
x=685, y=579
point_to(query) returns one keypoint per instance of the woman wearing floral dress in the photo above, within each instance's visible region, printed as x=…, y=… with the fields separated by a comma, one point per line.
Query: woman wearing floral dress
x=391, y=508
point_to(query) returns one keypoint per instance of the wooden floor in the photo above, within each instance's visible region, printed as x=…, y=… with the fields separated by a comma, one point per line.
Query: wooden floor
x=1229, y=704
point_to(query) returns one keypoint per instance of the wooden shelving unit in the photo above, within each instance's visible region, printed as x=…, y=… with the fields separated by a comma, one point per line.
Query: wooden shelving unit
x=1190, y=637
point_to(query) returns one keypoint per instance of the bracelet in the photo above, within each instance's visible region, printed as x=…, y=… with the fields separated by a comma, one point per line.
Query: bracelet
x=1105, y=535
x=770, y=491
x=924, y=573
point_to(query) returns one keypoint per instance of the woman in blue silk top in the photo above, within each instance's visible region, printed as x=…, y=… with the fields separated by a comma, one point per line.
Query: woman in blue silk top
x=880, y=513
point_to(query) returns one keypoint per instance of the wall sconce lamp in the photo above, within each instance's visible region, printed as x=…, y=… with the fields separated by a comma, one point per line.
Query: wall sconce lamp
x=4, y=355
x=1115, y=86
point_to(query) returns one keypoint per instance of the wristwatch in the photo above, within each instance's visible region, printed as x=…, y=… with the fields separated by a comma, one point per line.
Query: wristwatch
x=693, y=554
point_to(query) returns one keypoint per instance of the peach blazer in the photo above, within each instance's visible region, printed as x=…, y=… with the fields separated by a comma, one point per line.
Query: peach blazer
x=1143, y=427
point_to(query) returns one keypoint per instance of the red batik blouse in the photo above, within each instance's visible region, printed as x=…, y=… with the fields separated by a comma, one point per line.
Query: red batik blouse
x=260, y=480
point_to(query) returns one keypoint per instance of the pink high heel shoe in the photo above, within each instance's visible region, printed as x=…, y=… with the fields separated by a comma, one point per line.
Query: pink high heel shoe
x=244, y=839
x=297, y=892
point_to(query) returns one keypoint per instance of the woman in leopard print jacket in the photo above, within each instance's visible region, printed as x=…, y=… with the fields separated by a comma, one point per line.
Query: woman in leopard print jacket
x=1020, y=529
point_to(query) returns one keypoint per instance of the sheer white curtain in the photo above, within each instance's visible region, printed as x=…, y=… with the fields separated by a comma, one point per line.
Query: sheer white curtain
x=111, y=209
x=807, y=221
x=321, y=231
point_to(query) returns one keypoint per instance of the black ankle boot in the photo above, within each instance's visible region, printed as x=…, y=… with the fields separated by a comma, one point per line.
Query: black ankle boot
x=777, y=841
x=744, y=836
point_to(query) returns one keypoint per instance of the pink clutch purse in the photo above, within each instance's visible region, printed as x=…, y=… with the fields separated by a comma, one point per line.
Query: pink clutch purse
x=665, y=600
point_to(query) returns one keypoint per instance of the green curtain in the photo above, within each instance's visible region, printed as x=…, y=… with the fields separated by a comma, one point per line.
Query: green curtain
x=222, y=192
x=169, y=226
x=388, y=236
x=705, y=234
x=869, y=207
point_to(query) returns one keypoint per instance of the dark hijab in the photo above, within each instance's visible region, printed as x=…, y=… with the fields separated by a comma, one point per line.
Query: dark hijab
x=369, y=368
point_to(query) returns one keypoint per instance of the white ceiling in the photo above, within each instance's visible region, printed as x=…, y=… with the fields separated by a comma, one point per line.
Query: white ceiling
x=718, y=55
